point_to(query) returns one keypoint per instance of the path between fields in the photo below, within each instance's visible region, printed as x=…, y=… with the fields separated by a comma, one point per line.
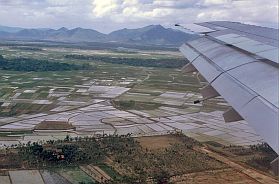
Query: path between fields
x=257, y=176
x=95, y=172
x=146, y=78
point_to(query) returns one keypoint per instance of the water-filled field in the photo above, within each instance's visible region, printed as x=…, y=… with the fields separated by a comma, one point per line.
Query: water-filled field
x=108, y=98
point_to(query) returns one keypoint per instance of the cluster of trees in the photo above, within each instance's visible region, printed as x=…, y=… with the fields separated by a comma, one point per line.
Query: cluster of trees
x=163, y=63
x=74, y=151
x=263, y=147
x=125, y=105
x=27, y=48
x=258, y=156
x=67, y=152
x=29, y=64
x=141, y=165
x=267, y=155
x=157, y=166
x=261, y=163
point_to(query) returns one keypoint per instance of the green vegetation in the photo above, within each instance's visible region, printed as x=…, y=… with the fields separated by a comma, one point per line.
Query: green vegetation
x=75, y=175
x=59, y=153
x=19, y=133
x=125, y=105
x=262, y=162
x=22, y=108
x=140, y=163
x=27, y=64
x=27, y=48
x=258, y=156
x=264, y=148
x=123, y=158
x=163, y=63
x=135, y=105
x=110, y=171
x=130, y=162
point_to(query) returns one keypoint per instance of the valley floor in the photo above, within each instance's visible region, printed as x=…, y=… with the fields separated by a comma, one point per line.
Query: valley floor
x=116, y=99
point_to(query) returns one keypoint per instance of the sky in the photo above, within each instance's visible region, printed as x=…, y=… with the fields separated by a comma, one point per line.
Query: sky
x=109, y=15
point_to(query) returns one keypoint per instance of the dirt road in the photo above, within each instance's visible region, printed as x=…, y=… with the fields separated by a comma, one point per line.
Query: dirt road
x=253, y=174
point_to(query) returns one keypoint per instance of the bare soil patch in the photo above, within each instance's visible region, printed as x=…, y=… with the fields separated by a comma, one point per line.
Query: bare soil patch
x=54, y=125
x=158, y=142
x=214, y=177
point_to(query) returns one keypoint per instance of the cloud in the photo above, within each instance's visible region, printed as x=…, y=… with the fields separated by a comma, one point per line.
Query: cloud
x=216, y=2
x=107, y=15
x=249, y=11
x=102, y=8
x=134, y=10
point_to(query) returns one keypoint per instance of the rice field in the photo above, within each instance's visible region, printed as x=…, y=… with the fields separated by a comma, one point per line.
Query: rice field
x=111, y=99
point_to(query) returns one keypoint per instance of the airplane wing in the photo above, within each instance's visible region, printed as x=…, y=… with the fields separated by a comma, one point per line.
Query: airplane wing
x=240, y=63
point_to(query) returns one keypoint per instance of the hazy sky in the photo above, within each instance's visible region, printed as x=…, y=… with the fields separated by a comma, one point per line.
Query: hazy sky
x=108, y=15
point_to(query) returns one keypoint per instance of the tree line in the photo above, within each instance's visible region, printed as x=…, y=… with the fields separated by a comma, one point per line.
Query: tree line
x=30, y=64
x=145, y=62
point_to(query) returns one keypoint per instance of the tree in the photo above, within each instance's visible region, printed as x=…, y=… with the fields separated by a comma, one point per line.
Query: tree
x=162, y=177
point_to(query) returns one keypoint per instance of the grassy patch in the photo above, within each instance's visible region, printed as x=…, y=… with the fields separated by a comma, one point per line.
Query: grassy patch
x=75, y=175
x=4, y=134
x=135, y=105
x=109, y=170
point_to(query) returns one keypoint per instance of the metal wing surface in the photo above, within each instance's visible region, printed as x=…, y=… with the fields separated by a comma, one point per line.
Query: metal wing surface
x=240, y=63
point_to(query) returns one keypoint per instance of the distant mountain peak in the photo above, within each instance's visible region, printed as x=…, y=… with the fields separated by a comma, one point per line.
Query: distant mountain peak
x=63, y=29
x=156, y=26
x=151, y=35
x=10, y=29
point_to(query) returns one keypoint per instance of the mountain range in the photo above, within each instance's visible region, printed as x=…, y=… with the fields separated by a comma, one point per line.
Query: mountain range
x=151, y=35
